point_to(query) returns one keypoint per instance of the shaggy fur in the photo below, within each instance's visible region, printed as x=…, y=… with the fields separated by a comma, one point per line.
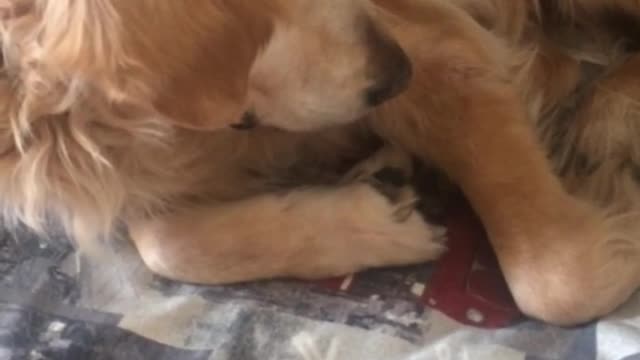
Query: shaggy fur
x=113, y=115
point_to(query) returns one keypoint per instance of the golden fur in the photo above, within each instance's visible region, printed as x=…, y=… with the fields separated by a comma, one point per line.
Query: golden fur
x=112, y=115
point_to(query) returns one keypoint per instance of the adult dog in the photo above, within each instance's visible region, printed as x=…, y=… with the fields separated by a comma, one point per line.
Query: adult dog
x=120, y=111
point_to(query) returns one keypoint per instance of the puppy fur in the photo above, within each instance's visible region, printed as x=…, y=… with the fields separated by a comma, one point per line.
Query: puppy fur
x=117, y=111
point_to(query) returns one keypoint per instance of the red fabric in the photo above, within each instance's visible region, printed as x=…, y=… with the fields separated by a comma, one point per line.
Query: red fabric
x=467, y=284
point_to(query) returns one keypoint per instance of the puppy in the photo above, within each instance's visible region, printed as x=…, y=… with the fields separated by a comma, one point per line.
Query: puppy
x=111, y=116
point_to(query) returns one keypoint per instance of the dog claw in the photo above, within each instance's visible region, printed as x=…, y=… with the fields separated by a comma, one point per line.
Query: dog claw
x=439, y=233
x=405, y=209
x=353, y=177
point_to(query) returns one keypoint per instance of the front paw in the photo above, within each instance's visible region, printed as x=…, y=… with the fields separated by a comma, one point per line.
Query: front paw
x=394, y=227
x=573, y=270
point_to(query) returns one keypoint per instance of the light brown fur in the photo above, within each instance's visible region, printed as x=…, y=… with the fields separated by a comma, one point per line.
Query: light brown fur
x=114, y=116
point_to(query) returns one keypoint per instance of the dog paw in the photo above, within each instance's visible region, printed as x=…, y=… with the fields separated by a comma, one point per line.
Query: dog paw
x=395, y=233
x=363, y=229
x=572, y=268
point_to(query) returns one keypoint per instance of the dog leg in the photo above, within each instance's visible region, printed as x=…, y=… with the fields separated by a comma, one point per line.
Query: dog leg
x=552, y=247
x=311, y=233
x=462, y=114
x=599, y=156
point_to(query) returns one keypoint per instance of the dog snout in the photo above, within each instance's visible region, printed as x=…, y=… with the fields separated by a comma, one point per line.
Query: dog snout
x=249, y=121
x=392, y=70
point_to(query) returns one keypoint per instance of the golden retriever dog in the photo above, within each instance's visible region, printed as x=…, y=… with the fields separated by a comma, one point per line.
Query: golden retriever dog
x=239, y=140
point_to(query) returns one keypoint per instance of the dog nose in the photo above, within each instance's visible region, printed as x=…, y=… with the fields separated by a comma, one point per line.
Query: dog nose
x=249, y=121
x=395, y=72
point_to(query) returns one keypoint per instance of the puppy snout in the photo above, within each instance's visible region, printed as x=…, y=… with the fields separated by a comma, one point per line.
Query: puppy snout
x=249, y=121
